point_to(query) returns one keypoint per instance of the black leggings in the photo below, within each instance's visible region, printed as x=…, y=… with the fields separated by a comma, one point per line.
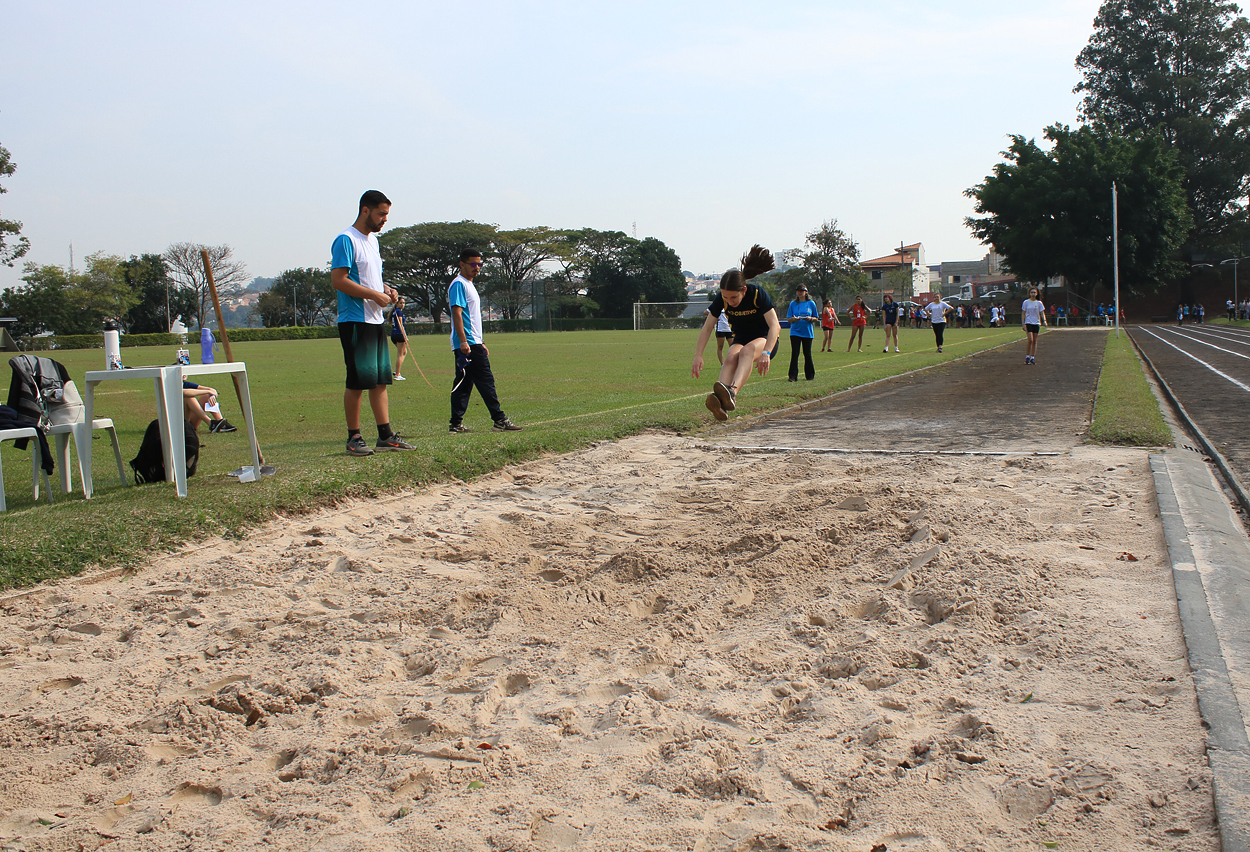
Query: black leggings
x=809, y=369
x=938, y=328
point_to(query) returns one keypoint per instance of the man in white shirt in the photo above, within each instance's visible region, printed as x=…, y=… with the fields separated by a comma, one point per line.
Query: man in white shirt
x=472, y=357
x=356, y=273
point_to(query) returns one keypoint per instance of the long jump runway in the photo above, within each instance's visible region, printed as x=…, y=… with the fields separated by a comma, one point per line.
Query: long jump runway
x=988, y=402
x=1208, y=369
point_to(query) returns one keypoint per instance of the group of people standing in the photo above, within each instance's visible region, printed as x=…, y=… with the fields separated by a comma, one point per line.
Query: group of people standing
x=356, y=273
x=1238, y=310
x=1190, y=313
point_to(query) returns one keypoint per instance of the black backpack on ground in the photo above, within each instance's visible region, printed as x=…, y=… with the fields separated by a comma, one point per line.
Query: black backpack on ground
x=149, y=465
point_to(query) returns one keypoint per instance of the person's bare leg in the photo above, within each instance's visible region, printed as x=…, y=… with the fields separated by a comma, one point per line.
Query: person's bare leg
x=194, y=412
x=720, y=350
x=351, y=407
x=747, y=357
x=378, y=401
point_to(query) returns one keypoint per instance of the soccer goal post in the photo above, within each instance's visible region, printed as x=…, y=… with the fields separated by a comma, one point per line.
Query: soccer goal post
x=669, y=314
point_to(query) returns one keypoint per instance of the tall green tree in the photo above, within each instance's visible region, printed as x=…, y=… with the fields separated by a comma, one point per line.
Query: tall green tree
x=273, y=310
x=420, y=260
x=159, y=299
x=615, y=270
x=1048, y=212
x=518, y=258
x=12, y=244
x=1180, y=68
x=830, y=257
x=312, y=299
x=52, y=298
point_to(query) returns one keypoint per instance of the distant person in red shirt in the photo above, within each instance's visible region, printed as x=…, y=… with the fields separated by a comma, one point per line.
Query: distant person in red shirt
x=828, y=322
x=859, y=321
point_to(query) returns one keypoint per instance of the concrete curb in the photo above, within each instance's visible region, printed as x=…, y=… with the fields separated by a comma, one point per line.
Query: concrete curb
x=1211, y=572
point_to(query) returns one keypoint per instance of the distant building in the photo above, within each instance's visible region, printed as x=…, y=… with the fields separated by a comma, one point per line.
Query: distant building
x=907, y=259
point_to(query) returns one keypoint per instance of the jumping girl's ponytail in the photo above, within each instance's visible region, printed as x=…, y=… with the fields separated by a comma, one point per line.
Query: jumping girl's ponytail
x=755, y=262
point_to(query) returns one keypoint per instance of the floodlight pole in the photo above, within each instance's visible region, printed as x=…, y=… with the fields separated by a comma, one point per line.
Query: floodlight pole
x=1115, y=251
x=1234, y=261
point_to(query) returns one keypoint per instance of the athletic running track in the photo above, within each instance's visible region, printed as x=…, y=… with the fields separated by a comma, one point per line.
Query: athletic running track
x=1208, y=369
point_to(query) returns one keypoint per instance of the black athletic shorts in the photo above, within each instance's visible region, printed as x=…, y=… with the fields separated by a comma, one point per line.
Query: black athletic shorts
x=727, y=335
x=366, y=354
x=1032, y=329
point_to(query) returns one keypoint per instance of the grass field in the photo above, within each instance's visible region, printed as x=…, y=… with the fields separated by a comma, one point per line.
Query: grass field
x=1125, y=410
x=567, y=389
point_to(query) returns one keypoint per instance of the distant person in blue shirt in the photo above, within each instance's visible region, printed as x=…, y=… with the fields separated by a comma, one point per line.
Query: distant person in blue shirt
x=399, y=336
x=802, y=315
x=889, y=316
x=356, y=272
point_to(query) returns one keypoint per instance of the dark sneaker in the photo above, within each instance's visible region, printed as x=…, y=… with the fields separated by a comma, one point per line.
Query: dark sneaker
x=725, y=395
x=394, y=442
x=222, y=425
x=356, y=446
x=505, y=425
x=459, y=427
x=714, y=406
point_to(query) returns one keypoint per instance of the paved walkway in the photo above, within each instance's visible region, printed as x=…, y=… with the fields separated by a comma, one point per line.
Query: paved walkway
x=989, y=401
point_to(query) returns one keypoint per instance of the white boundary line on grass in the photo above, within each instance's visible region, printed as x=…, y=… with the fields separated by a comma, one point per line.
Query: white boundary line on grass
x=798, y=405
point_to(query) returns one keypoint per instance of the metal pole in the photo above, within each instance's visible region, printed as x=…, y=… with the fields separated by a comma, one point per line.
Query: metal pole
x=1115, y=242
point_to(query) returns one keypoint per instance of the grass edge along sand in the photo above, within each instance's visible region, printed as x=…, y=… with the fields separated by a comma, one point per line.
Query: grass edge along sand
x=1126, y=411
x=569, y=390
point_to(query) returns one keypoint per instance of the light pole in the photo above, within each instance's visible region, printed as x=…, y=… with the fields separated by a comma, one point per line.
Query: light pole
x=294, y=305
x=1234, y=261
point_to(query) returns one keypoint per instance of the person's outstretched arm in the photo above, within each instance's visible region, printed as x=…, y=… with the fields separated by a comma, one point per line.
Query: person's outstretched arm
x=705, y=334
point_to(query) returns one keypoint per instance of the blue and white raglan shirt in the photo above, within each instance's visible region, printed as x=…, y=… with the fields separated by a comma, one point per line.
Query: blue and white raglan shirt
x=361, y=257
x=463, y=293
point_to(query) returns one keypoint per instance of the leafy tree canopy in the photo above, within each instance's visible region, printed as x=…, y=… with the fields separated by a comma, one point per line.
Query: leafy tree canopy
x=1180, y=68
x=55, y=299
x=156, y=292
x=186, y=267
x=420, y=260
x=830, y=258
x=12, y=244
x=311, y=297
x=1049, y=212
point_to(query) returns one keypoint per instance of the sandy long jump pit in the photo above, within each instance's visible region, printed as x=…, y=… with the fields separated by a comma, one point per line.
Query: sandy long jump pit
x=654, y=644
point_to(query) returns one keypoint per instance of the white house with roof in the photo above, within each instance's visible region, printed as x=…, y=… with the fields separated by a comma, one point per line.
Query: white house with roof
x=909, y=260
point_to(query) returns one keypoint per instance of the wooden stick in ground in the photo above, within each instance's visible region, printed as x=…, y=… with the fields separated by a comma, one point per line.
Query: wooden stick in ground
x=225, y=338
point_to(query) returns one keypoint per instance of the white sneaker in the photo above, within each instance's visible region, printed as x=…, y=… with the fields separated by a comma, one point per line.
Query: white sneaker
x=400, y=378
x=886, y=349
x=896, y=349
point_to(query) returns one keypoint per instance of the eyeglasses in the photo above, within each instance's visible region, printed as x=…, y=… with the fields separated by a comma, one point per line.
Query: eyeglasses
x=477, y=265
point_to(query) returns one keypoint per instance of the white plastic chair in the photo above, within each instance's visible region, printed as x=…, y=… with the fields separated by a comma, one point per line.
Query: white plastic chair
x=36, y=470
x=78, y=431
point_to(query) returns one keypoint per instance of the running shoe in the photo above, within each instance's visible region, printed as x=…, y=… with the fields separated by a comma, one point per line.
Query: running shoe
x=714, y=406
x=356, y=446
x=222, y=425
x=400, y=378
x=392, y=444
x=459, y=427
x=939, y=348
x=505, y=425
x=896, y=349
x=725, y=396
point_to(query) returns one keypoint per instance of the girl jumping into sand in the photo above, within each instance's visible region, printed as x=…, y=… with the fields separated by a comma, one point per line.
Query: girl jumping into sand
x=755, y=328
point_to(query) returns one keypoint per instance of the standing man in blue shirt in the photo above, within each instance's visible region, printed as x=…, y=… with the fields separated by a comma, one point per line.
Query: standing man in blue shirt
x=472, y=357
x=356, y=272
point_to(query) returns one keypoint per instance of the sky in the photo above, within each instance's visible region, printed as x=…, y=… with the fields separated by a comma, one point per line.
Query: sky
x=708, y=125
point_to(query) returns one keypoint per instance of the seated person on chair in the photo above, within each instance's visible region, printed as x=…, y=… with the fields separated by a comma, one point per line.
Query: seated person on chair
x=192, y=394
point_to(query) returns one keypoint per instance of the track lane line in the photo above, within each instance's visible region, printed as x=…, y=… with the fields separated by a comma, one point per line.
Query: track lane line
x=1218, y=372
x=1212, y=345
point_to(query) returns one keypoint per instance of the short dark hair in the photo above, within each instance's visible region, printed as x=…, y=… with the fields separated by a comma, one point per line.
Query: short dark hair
x=371, y=199
x=469, y=254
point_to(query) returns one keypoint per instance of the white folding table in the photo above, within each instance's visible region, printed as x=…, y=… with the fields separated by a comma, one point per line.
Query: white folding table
x=167, y=384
